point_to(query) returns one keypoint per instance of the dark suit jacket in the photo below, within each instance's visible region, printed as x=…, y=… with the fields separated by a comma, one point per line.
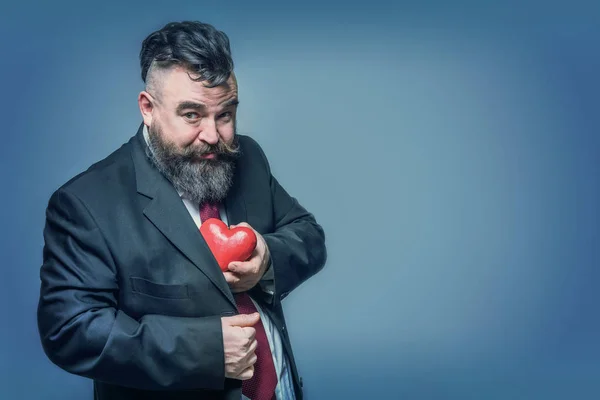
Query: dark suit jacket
x=132, y=297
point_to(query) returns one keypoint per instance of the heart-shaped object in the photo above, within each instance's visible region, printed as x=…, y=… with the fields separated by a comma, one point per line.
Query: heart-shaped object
x=226, y=244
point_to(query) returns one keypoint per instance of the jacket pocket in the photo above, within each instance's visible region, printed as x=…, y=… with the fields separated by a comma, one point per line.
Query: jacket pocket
x=144, y=286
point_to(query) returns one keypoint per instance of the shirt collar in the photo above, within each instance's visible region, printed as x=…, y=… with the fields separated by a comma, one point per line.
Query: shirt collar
x=147, y=138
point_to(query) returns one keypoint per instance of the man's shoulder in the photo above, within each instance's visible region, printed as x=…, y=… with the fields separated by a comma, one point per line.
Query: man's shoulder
x=252, y=152
x=248, y=143
x=103, y=176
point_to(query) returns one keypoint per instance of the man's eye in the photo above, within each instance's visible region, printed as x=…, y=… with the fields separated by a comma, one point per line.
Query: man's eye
x=191, y=115
x=225, y=116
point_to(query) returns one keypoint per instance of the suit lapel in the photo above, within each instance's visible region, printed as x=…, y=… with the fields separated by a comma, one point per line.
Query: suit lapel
x=168, y=214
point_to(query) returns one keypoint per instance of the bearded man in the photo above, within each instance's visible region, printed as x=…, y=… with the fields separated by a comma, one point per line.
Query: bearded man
x=131, y=295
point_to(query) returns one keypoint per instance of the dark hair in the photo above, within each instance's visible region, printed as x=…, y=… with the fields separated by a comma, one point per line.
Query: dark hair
x=197, y=46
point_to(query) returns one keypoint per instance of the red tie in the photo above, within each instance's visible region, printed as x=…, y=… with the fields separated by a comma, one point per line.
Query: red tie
x=263, y=382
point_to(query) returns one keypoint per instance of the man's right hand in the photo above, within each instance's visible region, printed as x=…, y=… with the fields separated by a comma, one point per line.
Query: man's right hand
x=239, y=344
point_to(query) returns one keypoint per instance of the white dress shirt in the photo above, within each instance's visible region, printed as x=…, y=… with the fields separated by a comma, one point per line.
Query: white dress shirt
x=285, y=385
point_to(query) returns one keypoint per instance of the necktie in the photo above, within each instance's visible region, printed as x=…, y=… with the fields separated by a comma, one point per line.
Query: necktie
x=262, y=384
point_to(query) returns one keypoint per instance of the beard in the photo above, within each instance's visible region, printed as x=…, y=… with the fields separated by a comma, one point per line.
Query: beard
x=200, y=180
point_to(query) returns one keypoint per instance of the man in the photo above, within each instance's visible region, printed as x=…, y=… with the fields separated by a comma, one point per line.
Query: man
x=131, y=295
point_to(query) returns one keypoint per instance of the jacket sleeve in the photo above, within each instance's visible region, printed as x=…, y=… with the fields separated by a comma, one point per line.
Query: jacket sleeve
x=84, y=332
x=297, y=245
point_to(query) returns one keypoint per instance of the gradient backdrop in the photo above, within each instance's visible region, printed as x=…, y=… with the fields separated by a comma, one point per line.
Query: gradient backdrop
x=449, y=150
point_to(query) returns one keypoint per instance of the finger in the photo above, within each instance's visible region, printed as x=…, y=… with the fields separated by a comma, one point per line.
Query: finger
x=250, y=356
x=243, y=320
x=252, y=359
x=246, y=374
x=253, y=346
x=231, y=278
x=243, y=267
x=249, y=333
x=241, y=224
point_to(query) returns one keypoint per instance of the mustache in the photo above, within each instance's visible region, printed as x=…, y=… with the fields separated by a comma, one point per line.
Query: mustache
x=221, y=149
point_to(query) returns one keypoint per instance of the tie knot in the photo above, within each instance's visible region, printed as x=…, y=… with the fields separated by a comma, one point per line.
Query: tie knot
x=209, y=210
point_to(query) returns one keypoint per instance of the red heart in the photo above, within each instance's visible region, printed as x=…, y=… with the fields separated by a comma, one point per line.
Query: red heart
x=226, y=244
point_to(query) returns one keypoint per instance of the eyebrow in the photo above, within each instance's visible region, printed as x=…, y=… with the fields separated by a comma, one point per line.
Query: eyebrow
x=186, y=105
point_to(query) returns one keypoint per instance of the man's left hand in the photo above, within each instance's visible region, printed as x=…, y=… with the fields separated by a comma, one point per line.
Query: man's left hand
x=244, y=275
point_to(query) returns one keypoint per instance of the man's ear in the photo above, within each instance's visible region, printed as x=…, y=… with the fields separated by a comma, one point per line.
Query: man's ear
x=146, y=103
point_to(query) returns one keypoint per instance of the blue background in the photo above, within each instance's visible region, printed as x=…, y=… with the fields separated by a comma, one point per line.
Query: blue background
x=450, y=150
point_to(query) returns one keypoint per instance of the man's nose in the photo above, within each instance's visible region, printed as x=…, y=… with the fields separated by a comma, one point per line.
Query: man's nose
x=209, y=132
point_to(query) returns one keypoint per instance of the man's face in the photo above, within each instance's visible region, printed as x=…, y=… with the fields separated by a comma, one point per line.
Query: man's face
x=192, y=134
x=193, y=116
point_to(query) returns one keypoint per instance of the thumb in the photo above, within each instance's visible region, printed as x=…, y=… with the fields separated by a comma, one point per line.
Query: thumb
x=244, y=224
x=244, y=320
